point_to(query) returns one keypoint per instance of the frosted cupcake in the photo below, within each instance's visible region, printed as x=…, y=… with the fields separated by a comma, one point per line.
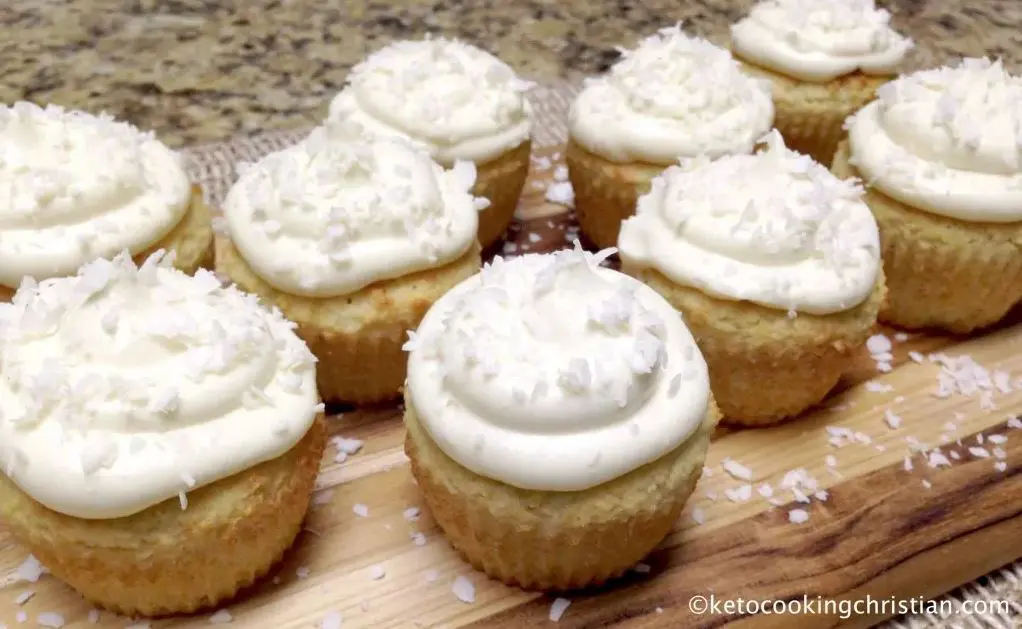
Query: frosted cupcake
x=825, y=59
x=353, y=237
x=75, y=187
x=673, y=96
x=774, y=264
x=941, y=152
x=461, y=103
x=159, y=434
x=558, y=417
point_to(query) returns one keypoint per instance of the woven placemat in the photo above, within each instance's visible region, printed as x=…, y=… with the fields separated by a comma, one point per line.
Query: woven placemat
x=999, y=594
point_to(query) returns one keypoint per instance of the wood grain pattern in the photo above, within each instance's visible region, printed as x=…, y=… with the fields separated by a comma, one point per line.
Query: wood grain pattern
x=879, y=532
x=878, y=529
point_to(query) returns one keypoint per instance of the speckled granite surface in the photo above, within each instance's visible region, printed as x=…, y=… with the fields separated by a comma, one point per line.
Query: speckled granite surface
x=202, y=70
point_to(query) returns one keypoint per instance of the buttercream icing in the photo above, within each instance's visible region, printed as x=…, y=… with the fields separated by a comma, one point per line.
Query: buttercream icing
x=775, y=228
x=74, y=187
x=820, y=40
x=344, y=208
x=458, y=101
x=947, y=141
x=553, y=373
x=123, y=387
x=672, y=96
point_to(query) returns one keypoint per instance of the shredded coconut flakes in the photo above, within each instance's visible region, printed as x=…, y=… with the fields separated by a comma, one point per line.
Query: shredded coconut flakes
x=463, y=590
x=332, y=620
x=798, y=516
x=736, y=470
x=221, y=617
x=558, y=607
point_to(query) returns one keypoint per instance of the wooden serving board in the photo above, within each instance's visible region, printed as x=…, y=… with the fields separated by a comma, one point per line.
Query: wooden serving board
x=882, y=530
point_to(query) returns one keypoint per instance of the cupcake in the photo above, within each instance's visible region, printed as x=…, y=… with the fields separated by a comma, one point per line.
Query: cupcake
x=673, y=96
x=75, y=187
x=774, y=264
x=940, y=151
x=825, y=59
x=558, y=415
x=461, y=103
x=353, y=236
x=159, y=434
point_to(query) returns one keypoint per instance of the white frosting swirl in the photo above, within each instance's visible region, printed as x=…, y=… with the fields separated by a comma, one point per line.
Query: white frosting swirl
x=672, y=96
x=457, y=100
x=343, y=209
x=820, y=40
x=775, y=228
x=74, y=187
x=550, y=372
x=125, y=387
x=947, y=141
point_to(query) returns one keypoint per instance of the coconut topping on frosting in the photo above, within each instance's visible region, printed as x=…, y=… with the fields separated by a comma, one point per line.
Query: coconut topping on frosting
x=459, y=101
x=343, y=209
x=74, y=187
x=948, y=141
x=775, y=228
x=820, y=40
x=672, y=96
x=123, y=387
x=551, y=372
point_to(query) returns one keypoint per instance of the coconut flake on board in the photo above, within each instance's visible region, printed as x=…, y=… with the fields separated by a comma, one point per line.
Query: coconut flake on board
x=798, y=516
x=463, y=590
x=50, y=620
x=221, y=617
x=558, y=607
x=736, y=469
x=332, y=620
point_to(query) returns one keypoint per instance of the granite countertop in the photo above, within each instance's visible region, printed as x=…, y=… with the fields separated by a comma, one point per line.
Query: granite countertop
x=203, y=70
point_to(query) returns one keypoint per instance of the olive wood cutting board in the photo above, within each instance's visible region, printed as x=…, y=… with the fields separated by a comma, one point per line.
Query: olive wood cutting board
x=877, y=529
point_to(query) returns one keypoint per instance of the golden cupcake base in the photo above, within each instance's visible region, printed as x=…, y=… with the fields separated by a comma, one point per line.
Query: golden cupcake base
x=501, y=181
x=605, y=192
x=765, y=366
x=165, y=560
x=941, y=272
x=358, y=337
x=191, y=240
x=811, y=116
x=555, y=541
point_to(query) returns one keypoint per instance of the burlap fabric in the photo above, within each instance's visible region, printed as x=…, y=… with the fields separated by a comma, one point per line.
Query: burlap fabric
x=214, y=167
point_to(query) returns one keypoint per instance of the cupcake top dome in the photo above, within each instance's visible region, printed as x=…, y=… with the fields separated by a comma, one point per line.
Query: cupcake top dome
x=458, y=101
x=345, y=208
x=74, y=187
x=124, y=387
x=947, y=140
x=672, y=96
x=820, y=40
x=551, y=372
x=774, y=228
